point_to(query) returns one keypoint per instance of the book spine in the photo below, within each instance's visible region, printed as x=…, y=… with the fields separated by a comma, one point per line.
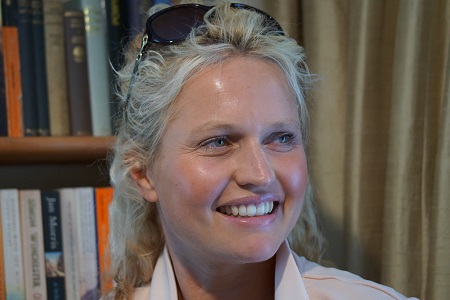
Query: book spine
x=40, y=68
x=55, y=58
x=77, y=73
x=27, y=63
x=3, y=111
x=70, y=242
x=33, y=244
x=53, y=246
x=103, y=198
x=98, y=74
x=132, y=19
x=87, y=244
x=116, y=32
x=2, y=264
x=13, y=81
x=12, y=245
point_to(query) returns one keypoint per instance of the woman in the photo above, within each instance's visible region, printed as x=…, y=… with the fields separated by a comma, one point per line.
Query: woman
x=210, y=171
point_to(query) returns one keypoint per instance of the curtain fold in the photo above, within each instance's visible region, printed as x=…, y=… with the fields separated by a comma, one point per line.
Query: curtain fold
x=380, y=138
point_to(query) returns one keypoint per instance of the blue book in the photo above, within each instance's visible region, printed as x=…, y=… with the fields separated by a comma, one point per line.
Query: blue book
x=27, y=72
x=40, y=68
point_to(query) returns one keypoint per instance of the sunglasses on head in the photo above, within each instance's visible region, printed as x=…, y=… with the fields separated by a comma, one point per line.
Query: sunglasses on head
x=174, y=24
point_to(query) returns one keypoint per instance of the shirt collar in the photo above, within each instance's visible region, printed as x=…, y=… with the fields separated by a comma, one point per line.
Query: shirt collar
x=288, y=280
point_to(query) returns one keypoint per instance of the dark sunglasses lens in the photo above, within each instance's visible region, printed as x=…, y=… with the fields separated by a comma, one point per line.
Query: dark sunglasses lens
x=175, y=24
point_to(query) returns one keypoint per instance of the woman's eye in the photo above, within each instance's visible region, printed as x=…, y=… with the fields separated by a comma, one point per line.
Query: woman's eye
x=216, y=142
x=281, y=141
x=284, y=138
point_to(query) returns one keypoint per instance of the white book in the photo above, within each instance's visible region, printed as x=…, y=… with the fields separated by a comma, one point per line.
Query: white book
x=98, y=66
x=33, y=244
x=87, y=243
x=68, y=198
x=12, y=244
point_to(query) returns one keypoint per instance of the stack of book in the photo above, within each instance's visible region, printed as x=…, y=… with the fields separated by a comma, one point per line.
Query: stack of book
x=57, y=58
x=54, y=243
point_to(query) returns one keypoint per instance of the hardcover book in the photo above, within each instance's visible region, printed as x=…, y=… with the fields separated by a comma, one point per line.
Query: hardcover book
x=12, y=244
x=3, y=111
x=77, y=73
x=13, y=84
x=27, y=72
x=53, y=245
x=116, y=32
x=41, y=96
x=98, y=67
x=55, y=58
x=33, y=244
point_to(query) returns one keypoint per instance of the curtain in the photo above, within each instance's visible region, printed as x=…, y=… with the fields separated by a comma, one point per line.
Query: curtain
x=379, y=151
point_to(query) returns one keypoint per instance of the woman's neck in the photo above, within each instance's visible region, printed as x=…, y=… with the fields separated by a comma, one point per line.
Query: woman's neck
x=242, y=281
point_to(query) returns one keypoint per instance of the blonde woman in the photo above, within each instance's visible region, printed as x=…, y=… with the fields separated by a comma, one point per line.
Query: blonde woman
x=212, y=198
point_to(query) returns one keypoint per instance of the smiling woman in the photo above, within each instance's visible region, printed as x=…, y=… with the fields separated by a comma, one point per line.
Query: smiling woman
x=210, y=171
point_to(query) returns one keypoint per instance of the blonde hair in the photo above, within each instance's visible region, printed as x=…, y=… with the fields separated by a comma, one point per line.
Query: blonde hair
x=136, y=238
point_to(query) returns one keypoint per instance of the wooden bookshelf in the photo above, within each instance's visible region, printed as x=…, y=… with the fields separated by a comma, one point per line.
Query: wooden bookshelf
x=54, y=150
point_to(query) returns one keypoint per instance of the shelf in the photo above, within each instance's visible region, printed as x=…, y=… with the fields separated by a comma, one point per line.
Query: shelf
x=54, y=150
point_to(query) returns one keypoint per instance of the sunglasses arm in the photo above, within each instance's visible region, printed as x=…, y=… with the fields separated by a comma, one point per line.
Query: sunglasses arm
x=144, y=42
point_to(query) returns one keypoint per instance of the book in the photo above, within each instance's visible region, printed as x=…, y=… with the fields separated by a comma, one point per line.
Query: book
x=27, y=72
x=103, y=198
x=80, y=235
x=87, y=243
x=13, y=84
x=37, y=20
x=53, y=245
x=2, y=265
x=68, y=198
x=3, y=111
x=135, y=15
x=55, y=58
x=12, y=244
x=98, y=66
x=32, y=244
x=97, y=63
x=77, y=73
x=116, y=32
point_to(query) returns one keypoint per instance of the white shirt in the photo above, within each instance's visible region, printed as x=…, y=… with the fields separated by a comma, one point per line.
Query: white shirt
x=295, y=278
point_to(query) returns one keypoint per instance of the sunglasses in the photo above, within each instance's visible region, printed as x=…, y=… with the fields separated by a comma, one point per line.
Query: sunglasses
x=174, y=24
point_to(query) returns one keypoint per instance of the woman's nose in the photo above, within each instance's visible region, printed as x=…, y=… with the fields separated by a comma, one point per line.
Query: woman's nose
x=253, y=166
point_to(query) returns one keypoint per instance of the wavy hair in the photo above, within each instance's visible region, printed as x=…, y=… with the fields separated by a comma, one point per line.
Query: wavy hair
x=136, y=237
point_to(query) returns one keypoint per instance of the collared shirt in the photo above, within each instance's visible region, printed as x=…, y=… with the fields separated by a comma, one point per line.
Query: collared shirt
x=295, y=278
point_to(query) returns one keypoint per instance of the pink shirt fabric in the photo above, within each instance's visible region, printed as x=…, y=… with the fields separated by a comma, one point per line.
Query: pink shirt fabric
x=295, y=278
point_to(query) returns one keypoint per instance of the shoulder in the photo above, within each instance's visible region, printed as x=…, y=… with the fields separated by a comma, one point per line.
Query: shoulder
x=330, y=283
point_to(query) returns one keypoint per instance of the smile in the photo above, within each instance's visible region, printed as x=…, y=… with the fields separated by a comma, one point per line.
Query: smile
x=251, y=210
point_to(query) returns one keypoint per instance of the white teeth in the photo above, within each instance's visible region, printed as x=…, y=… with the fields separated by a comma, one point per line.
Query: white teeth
x=234, y=210
x=251, y=210
x=260, y=210
x=242, y=210
x=247, y=210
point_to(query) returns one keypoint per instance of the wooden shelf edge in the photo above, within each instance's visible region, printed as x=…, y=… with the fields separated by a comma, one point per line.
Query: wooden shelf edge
x=54, y=150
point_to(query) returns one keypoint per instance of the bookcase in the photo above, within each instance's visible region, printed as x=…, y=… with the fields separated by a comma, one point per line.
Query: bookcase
x=54, y=162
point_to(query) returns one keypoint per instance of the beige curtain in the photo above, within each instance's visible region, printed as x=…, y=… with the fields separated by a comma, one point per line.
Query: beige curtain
x=380, y=137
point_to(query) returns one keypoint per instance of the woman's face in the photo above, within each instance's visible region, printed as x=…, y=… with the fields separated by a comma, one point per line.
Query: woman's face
x=231, y=175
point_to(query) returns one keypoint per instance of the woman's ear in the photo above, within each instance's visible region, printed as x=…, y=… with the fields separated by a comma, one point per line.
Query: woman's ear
x=145, y=184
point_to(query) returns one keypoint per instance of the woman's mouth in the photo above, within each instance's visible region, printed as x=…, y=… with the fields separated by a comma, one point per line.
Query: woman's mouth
x=250, y=210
